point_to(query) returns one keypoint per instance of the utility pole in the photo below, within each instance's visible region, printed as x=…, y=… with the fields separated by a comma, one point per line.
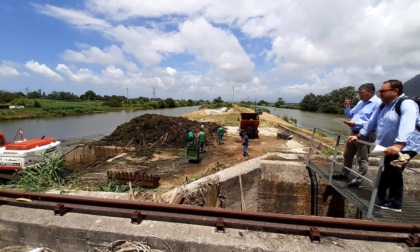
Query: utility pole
x=127, y=97
x=27, y=92
x=233, y=94
x=255, y=102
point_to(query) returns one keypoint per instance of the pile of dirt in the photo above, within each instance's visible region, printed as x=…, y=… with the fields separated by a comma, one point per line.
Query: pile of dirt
x=158, y=131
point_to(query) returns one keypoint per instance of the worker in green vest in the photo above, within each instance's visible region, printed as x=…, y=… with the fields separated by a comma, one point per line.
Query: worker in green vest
x=190, y=136
x=220, y=133
x=201, y=138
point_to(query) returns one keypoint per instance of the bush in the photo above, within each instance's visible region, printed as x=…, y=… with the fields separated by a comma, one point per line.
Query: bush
x=42, y=176
x=37, y=104
x=112, y=103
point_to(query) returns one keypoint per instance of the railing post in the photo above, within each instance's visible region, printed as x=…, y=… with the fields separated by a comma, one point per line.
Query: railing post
x=311, y=146
x=375, y=188
x=337, y=144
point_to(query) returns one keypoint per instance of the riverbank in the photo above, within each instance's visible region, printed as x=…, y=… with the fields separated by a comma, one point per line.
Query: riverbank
x=171, y=164
x=31, y=109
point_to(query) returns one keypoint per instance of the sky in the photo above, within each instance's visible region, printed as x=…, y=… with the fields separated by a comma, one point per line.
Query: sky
x=202, y=49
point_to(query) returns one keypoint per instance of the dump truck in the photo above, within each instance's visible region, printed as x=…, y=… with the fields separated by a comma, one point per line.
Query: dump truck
x=249, y=123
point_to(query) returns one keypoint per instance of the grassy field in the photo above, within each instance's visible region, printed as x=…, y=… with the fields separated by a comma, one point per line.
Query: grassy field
x=54, y=108
x=49, y=108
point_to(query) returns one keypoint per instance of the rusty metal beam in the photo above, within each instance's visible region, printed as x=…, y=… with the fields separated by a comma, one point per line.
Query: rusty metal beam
x=200, y=215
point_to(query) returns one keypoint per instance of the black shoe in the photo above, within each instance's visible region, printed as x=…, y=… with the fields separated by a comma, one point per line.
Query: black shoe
x=390, y=206
x=354, y=183
x=380, y=203
x=340, y=177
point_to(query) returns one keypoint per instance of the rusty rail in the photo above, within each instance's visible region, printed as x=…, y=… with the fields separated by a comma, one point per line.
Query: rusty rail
x=312, y=226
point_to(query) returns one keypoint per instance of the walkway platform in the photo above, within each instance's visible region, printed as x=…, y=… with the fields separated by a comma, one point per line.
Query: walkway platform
x=363, y=197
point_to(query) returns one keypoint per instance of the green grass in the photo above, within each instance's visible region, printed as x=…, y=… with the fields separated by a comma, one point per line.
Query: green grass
x=42, y=176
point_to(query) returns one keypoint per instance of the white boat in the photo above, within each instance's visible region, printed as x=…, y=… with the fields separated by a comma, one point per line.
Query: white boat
x=23, y=153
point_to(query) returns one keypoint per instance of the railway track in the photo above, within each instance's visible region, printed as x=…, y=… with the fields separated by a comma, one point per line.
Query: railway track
x=312, y=226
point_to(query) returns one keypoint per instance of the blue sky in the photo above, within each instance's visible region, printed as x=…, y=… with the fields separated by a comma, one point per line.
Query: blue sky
x=202, y=49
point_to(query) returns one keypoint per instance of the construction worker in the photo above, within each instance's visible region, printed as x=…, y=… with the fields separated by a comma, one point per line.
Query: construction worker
x=201, y=138
x=220, y=133
x=190, y=136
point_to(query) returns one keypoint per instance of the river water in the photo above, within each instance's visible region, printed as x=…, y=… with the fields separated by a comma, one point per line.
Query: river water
x=72, y=128
x=80, y=127
x=310, y=120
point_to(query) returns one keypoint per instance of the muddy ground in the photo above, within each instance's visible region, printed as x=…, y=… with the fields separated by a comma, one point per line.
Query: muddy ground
x=172, y=165
x=159, y=147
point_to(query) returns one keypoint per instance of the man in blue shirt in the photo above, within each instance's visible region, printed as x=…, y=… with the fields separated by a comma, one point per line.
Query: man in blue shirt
x=360, y=115
x=392, y=132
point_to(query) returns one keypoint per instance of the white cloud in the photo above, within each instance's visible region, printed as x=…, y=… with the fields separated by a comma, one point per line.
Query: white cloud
x=218, y=47
x=171, y=71
x=113, y=73
x=83, y=75
x=43, y=70
x=8, y=71
x=127, y=9
x=78, y=18
x=297, y=53
x=201, y=48
x=112, y=55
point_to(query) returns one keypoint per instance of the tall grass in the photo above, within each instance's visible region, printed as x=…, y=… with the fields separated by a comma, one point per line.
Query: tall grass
x=42, y=176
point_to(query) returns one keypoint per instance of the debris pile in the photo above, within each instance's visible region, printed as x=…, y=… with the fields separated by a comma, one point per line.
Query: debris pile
x=155, y=131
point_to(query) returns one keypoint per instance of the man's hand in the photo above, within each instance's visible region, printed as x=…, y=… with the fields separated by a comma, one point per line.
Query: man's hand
x=350, y=123
x=394, y=149
x=351, y=139
x=347, y=102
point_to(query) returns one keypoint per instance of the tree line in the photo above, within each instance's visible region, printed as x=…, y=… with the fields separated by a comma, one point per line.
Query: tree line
x=328, y=103
x=19, y=98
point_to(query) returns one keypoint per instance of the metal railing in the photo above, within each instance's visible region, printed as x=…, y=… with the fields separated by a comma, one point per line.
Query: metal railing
x=335, y=163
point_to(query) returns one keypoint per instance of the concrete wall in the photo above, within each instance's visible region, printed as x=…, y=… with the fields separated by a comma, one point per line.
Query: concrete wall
x=85, y=154
x=284, y=188
x=230, y=191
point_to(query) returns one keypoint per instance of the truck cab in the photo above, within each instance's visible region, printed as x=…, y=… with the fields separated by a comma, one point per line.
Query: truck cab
x=249, y=123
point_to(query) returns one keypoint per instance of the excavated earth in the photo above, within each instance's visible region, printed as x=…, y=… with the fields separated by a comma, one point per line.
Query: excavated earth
x=157, y=145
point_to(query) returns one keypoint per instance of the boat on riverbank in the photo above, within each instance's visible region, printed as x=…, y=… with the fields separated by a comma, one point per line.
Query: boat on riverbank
x=23, y=153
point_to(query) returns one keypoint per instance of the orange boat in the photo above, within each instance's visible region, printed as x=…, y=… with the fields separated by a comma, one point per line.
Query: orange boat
x=23, y=153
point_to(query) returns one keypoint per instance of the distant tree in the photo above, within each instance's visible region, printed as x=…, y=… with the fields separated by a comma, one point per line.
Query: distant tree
x=262, y=103
x=279, y=102
x=64, y=96
x=329, y=103
x=162, y=104
x=170, y=103
x=89, y=95
x=143, y=99
x=218, y=100
x=309, y=103
x=190, y=102
x=34, y=95
x=115, y=103
x=7, y=97
x=330, y=107
x=339, y=95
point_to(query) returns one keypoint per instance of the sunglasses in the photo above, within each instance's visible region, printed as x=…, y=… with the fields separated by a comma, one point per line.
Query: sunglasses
x=385, y=90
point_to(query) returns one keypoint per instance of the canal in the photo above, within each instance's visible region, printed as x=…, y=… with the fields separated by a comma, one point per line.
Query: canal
x=73, y=128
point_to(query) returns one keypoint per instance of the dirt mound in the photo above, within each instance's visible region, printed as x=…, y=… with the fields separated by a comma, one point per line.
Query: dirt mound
x=151, y=130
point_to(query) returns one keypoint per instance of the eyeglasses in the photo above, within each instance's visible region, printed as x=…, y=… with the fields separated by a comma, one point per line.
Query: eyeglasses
x=385, y=90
